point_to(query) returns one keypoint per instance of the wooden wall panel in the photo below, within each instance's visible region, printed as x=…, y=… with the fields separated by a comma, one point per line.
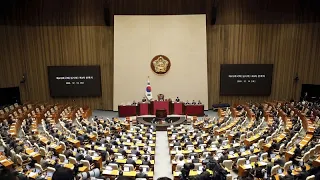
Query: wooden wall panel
x=292, y=48
x=39, y=33
x=30, y=49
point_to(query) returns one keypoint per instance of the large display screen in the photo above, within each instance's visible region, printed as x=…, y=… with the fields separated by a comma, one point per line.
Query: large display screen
x=246, y=79
x=68, y=81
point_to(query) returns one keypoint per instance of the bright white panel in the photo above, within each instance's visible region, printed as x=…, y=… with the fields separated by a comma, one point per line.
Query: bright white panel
x=182, y=38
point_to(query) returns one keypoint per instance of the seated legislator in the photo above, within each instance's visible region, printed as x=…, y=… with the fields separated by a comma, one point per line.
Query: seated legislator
x=177, y=100
x=160, y=97
x=193, y=102
x=199, y=102
x=144, y=99
x=289, y=175
x=141, y=174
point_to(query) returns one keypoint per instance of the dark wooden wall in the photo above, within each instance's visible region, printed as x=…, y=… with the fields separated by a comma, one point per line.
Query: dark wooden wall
x=36, y=34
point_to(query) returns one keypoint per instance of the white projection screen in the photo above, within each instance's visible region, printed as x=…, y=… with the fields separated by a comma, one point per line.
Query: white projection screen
x=137, y=39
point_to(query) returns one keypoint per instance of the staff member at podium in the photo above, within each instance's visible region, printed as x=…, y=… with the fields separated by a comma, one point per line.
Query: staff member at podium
x=177, y=100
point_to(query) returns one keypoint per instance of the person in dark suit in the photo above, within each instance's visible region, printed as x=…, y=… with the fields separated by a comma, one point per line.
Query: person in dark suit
x=56, y=164
x=200, y=141
x=223, y=157
x=79, y=157
x=141, y=174
x=177, y=100
x=177, y=143
x=122, y=151
x=209, y=141
x=297, y=151
x=195, y=159
x=145, y=161
x=131, y=161
x=303, y=174
x=89, y=158
x=135, y=151
x=258, y=171
x=188, y=142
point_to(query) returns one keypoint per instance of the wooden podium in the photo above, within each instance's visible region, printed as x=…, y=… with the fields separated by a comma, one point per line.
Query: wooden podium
x=159, y=105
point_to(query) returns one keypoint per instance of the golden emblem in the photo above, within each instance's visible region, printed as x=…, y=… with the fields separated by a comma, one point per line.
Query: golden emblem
x=160, y=64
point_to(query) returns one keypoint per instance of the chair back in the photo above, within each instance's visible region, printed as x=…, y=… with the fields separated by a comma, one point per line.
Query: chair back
x=72, y=160
x=253, y=158
x=312, y=152
x=241, y=161
x=129, y=166
x=51, y=169
x=264, y=155
x=42, y=152
x=86, y=163
x=317, y=148
x=177, y=156
x=313, y=177
x=287, y=166
x=145, y=167
x=274, y=170
x=179, y=167
x=260, y=143
x=306, y=157
x=281, y=149
x=227, y=164
x=38, y=167
x=242, y=137
x=19, y=159
x=62, y=158
x=113, y=166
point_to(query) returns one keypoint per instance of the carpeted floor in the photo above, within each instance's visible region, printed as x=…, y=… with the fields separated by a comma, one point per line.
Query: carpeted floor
x=162, y=167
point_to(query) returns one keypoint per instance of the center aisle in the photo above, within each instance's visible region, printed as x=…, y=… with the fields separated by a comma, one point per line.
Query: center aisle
x=162, y=167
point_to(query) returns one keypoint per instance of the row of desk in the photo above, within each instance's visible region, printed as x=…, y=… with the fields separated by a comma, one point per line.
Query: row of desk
x=170, y=107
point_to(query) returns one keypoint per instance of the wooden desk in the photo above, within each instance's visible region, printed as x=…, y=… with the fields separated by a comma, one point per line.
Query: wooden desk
x=229, y=126
x=302, y=144
x=243, y=169
x=5, y=162
x=249, y=141
x=34, y=155
x=295, y=172
x=98, y=159
x=81, y=169
x=192, y=173
x=76, y=143
x=316, y=162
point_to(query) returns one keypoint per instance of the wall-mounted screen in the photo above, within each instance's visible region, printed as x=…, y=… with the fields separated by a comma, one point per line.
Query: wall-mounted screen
x=71, y=81
x=246, y=79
